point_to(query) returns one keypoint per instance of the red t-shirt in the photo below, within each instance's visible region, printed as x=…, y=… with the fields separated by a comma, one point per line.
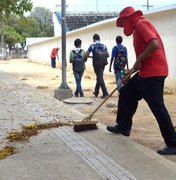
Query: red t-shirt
x=54, y=52
x=156, y=64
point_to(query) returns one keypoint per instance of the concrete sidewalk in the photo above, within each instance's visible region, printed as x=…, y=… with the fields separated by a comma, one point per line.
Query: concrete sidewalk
x=63, y=154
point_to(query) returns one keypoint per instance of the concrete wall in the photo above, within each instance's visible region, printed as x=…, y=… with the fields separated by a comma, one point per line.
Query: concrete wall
x=163, y=19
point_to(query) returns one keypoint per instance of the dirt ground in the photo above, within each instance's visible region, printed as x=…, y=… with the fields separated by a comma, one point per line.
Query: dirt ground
x=45, y=79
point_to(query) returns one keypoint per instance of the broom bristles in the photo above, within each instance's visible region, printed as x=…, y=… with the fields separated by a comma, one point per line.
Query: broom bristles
x=85, y=124
x=85, y=127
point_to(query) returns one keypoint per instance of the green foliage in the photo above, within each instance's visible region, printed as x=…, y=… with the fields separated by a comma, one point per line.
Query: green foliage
x=7, y=8
x=44, y=18
x=11, y=36
x=24, y=26
x=18, y=28
x=38, y=24
x=14, y=6
x=33, y=27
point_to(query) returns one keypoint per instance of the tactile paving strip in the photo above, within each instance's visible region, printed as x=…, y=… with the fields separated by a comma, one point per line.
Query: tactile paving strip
x=94, y=157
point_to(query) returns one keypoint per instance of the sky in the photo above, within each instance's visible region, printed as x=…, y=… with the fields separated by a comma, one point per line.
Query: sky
x=100, y=5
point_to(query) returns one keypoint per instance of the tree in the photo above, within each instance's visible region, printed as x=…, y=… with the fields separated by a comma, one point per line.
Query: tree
x=14, y=6
x=44, y=18
x=7, y=7
x=37, y=24
x=11, y=37
x=25, y=26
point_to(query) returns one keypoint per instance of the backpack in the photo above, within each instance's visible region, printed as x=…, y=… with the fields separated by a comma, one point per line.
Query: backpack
x=78, y=61
x=121, y=59
x=100, y=55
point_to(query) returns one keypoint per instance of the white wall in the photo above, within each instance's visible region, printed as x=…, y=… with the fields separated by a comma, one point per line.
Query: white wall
x=164, y=20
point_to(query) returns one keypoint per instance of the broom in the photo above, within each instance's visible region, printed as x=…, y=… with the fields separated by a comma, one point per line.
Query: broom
x=88, y=124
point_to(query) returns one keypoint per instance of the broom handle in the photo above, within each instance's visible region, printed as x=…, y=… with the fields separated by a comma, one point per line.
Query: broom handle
x=104, y=101
x=127, y=76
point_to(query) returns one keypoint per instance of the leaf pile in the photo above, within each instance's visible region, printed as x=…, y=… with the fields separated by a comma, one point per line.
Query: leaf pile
x=7, y=151
x=32, y=130
x=25, y=133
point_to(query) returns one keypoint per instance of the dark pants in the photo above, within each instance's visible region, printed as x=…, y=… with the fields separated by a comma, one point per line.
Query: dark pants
x=53, y=62
x=151, y=90
x=100, y=81
x=78, y=77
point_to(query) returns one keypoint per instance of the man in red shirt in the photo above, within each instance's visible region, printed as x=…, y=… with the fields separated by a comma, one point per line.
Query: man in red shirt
x=53, y=55
x=150, y=70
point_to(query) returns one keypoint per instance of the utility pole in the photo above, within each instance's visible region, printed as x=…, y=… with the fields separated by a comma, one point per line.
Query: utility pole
x=63, y=24
x=96, y=5
x=63, y=91
x=147, y=5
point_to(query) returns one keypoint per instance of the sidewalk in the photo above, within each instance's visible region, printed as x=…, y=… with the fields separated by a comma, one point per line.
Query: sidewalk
x=63, y=154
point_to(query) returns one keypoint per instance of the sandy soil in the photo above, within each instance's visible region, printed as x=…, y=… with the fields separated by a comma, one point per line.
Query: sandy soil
x=45, y=79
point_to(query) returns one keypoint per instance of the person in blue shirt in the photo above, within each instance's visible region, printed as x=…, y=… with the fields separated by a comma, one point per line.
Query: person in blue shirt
x=118, y=72
x=99, y=70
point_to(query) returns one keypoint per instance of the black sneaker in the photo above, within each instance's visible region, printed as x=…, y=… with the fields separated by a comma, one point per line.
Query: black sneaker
x=167, y=151
x=116, y=130
x=76, y=94
x=81, y=94
x=96, y=95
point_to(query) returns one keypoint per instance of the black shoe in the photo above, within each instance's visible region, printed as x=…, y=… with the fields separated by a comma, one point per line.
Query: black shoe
x=116, y=130
x=167, y=151
x=104, y=96
x=81, y=94
x=96, y=95
x=76, y=94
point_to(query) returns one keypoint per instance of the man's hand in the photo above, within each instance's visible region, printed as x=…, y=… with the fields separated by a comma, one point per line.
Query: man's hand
x=127, y=77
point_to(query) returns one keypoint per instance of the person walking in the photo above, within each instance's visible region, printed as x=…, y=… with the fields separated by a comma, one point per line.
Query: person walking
x=151, y=70
x=77, y=58
x=99, y=63
x=54, y=54
x=119, y=48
